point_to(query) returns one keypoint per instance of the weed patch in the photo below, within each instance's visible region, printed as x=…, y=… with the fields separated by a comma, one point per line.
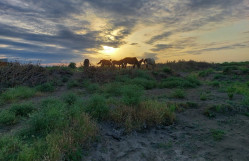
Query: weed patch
x=18, y=93
x=147, y=114
x=217, y=135
x=131, y=94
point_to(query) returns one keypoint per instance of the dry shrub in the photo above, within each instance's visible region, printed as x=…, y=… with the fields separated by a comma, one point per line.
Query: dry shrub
x=17, y=74
x=183, y=65
x=148, y=113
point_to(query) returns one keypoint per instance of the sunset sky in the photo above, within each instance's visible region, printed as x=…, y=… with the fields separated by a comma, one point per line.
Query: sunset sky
x=63, y=31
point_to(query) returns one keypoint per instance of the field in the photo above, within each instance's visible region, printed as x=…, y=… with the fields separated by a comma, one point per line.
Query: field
x=182, y=110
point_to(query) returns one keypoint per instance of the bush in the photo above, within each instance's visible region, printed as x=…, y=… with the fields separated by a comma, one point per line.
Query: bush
x=147, y=114
x=9, y=148
x=22, y=109
x=72, y=84
x=142, y=74
x=217, y=134
x=131, y=94
x=206, y=73
x=167, y=70
x=203, y=96
x=229, y=69
x=92, y=87
x=147, y=84
x=230, y=92
x=72, y=65
x=178, y=94
x=113, y=89
x=7, y=117
x=46, y=87
x=97, y=107
x=177, y=82
x=18, y=93
x=215, y=84
x=51, y=116
x=69, y=98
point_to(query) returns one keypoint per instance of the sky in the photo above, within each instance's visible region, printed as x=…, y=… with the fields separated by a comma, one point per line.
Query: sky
x=61, y=31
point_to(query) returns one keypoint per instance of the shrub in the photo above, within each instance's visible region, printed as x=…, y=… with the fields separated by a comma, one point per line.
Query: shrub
x=147, y=84
x=203, y=96
x=51, y=116
x=147, y=114
x=22, y=109
x=167, y=70
x=7, y=117
x=229, y=69
x=9, y=148
x=178, y=94
x=177, y=82
x=131, y=94
x=72, y=84
x=46, y=87
x=97, y=107
x=113, y=89
x=72, y=65
x=230, y=92
x=206, y=73
x=92, y=87
x=215, y=84
x=18, y=93
x=142, y=74
x=217, y=134
x=69, y=98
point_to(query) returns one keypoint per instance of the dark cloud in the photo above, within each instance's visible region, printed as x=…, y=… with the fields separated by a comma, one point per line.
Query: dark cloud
x=162, y=36
x=134, y=44
x=160, y=47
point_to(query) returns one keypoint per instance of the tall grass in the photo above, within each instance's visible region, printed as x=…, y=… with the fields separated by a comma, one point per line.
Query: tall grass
x=148, y=113
x=18, y=93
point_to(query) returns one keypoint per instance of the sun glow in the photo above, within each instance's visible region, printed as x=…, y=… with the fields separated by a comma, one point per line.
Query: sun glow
x=108, y=50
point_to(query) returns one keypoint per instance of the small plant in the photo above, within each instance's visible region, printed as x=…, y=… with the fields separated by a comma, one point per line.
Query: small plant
x=69, y=98
x=8, y=117
x=113, y=89
x=22, y=109
x=92, y=87
x=206, y=73
x=97, y=107
x=18, y=93
x=178, y=94
x=215, y=84
x=72, y=84
x=147, y=114
x=72, y=65
x=230, y=92
x=217, y=134
x=46, y=87
x=203, y=96
x=131, y=94
x=147, y=84
x=167, y=70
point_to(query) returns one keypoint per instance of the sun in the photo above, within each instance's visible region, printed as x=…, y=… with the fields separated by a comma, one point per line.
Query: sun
x=108, y=50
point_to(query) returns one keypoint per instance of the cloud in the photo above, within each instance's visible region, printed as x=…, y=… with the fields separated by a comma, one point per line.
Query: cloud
x=156, y=38
x=160, y=47
x=150, y=55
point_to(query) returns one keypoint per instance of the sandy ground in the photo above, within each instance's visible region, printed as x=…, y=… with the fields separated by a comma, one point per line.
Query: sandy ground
x=189, y=138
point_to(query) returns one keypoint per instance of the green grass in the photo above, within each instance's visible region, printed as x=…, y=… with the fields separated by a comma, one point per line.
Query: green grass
x=69, y=98
x=217, y=135
x=18, y=93
x=8, y=117
x=131, y=94
x=142, y=74
x=12, y=115
x=113, y=89
x=97, y=107
x=167, y=70
x=206, y=73
x=203, y=96
x=72, y=84
x=145, y=83
x=215, y=84
x=46, y=87
x=178, y=93
x=177, y=82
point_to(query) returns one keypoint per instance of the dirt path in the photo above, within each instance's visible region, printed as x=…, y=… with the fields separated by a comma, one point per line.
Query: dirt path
x=190, y=138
